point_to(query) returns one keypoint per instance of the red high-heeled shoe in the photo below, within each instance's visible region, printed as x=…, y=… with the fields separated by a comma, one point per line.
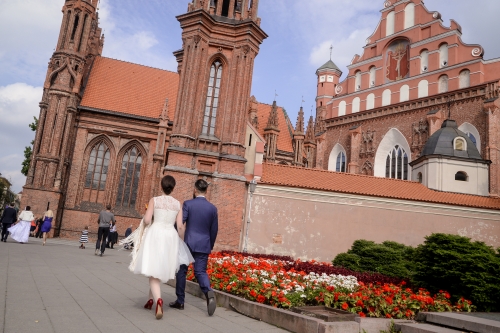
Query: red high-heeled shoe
x=149, y=304
x=159, y=308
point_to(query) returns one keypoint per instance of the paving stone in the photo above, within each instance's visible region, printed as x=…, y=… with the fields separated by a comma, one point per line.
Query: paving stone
x=60, y=288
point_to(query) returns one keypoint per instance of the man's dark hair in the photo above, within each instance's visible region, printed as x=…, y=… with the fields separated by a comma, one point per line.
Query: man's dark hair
x=28, y=208
x=12, y=204
x=201, y=185
x=108, y=207
x=167, y=184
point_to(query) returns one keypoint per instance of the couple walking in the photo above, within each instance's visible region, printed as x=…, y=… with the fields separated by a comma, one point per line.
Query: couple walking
x=160, y=252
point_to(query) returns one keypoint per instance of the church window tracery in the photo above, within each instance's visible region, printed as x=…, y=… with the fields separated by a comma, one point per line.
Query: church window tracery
x=97, y=169
x=212, y=101
x=396, y=165
x=129, y=178
x=340, y=165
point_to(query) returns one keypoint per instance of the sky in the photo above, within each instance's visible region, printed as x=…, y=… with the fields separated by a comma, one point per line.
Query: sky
x=146, y=32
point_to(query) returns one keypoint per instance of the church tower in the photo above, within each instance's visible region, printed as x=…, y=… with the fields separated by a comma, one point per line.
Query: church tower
x=220, y=40
x=79, y=43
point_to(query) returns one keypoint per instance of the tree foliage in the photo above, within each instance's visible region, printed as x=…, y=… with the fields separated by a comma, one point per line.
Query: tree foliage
x=462, y=267
x=389, y=258
x=28, y=151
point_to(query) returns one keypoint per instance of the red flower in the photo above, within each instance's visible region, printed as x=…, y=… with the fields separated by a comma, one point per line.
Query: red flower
x=359, y=303
x=447, y=295
x=253, y=293
x=345, y=306
x=361, y=314
x=388, y=315
x=261, y=299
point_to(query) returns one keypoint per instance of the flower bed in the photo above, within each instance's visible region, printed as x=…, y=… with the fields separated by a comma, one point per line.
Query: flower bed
x=277, y=282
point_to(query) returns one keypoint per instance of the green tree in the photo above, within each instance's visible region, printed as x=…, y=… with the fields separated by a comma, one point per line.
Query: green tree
x=28, y=151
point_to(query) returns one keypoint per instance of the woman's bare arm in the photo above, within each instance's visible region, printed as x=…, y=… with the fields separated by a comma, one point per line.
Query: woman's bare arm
x=149, y=212
x=181, y=227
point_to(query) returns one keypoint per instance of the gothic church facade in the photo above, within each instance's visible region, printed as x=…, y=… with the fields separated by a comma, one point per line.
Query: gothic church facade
x=108, y=129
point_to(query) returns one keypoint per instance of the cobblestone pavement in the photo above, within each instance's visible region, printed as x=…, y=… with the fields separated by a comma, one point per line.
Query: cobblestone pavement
x=61, y=288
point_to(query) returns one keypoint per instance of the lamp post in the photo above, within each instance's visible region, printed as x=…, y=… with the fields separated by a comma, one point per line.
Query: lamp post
x=252, y=186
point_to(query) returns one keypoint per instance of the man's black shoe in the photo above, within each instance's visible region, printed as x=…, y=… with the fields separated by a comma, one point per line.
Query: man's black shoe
x=176, y=305
x=211, y=303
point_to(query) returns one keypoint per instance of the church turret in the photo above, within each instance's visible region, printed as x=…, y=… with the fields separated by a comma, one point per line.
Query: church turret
x=271, y=133
x=328, y=77
x=79, y=42
x=220, y=40
x=298, y=139
x=310, y=144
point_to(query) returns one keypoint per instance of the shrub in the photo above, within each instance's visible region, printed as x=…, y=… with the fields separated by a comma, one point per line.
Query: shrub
x=464, y=268
x=389, y=258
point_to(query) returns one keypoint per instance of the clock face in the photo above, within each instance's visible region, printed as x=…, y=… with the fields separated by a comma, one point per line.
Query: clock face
x=322, y=78
x=329, y=78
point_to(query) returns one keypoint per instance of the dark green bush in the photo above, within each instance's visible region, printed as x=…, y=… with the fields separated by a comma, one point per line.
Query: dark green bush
x=463, y=268
x=388, y=258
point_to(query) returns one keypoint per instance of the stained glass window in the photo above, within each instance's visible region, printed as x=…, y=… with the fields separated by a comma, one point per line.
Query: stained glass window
x=97, y=170
x=212, y=101
x=396, y=165
x=129, y=178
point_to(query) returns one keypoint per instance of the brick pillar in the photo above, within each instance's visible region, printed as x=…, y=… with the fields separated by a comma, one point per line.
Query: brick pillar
x=355, y=134
x=492, y=109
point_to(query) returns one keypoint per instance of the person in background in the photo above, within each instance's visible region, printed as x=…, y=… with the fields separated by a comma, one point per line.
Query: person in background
x=20, y=231
x=9, y=216
x=128, y=232
x=105, y=219
x=84, y=238
x=38, y=230
x=113, y=235
x=47, y=224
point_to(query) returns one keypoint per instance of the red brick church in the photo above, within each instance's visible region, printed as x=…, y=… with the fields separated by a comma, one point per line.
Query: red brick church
x=415, y=124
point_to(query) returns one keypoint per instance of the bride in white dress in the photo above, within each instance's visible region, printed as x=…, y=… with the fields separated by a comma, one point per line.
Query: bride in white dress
x=159, y=247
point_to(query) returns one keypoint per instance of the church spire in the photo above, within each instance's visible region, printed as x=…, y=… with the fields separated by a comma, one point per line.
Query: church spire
x=232, y=9
x=310, y=144
x=271, y=133
x=298, y=139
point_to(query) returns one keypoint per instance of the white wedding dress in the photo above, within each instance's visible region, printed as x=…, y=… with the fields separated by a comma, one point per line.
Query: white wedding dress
x=162, y=251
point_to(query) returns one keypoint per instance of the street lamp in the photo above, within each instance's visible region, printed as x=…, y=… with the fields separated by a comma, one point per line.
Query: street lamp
x=252, y=186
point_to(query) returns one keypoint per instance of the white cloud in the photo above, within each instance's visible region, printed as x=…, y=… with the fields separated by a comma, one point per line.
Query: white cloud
x=18, y=105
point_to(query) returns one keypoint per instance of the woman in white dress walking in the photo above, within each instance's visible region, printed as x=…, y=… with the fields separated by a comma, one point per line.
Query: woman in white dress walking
x=159, y=249
x=20, y=232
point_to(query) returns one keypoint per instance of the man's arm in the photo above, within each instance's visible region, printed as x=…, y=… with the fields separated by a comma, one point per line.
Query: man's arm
x=214, y=228
x=185, y=212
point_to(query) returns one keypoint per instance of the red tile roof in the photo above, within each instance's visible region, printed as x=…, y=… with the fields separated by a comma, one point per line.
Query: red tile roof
x=120, y=86
x=274, y=174
x=285, y=126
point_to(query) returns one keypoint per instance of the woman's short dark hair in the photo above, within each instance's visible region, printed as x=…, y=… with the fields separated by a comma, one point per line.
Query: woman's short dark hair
x=167, y=184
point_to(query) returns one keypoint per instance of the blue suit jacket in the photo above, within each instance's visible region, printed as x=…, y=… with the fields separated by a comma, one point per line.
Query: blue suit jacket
x=9, y=215
x=202, y=224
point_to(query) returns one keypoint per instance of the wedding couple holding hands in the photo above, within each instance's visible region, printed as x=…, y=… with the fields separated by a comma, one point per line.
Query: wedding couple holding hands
x=162, y=253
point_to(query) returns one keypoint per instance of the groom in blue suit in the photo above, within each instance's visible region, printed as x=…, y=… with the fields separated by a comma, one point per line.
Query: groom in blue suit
x=201, y=220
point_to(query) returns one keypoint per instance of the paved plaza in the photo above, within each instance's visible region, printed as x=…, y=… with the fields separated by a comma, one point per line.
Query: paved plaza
x=61, y=288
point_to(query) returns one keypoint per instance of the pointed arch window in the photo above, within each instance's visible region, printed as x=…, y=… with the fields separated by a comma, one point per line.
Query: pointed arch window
x=396, y=165
x=97, y=169
x=212, y=102
x=340, y=166
x=129, y=178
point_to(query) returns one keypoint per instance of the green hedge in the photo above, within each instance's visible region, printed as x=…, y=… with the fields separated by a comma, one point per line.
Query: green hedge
x=388, y=258
x=463, y=268
x=443, y=262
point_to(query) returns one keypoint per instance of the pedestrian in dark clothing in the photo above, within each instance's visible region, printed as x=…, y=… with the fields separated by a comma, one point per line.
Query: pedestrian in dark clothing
x=9, y=216
x=105, y=219
x=128, y=232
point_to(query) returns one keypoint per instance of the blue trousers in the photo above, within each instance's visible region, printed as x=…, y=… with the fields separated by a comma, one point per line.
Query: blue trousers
x=200, y=272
